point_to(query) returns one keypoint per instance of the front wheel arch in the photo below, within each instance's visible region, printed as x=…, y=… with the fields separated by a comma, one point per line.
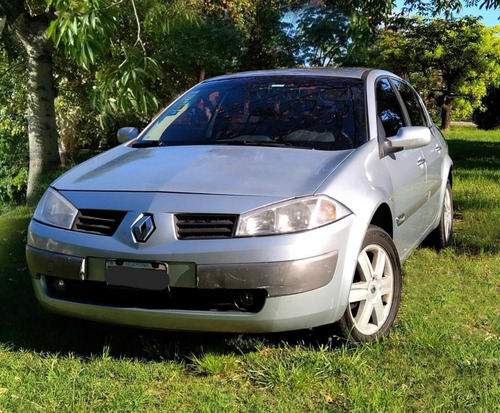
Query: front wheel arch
x=382, y=218
x=375, y=291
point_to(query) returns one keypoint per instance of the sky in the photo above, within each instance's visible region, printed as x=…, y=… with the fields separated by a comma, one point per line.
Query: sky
x=489, y=17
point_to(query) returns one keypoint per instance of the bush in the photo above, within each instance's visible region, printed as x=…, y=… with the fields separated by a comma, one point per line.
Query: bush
x=490, y=117
x=13, y=159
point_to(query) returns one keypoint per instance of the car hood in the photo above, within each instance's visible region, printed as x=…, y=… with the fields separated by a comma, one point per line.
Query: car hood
x=229, y=170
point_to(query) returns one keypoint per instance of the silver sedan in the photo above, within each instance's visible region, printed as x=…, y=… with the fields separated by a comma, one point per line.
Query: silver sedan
x=255, y=202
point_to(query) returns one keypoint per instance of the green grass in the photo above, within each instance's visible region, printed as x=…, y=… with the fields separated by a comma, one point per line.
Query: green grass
x=443, y=354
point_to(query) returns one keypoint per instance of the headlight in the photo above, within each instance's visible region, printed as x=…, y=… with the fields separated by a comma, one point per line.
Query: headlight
x=291, y=216
x=53, y=209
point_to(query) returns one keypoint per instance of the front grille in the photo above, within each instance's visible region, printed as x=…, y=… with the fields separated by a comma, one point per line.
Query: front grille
x=96, y=221
x=201, y=226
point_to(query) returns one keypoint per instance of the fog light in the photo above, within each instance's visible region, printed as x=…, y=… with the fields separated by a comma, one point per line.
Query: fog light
x=245, y=300
x=59, y=285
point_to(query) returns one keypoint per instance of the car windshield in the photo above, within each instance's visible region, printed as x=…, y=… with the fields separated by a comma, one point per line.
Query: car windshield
x=315, y=113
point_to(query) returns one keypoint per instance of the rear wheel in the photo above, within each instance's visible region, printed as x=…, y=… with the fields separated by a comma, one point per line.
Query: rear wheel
x=441, y=237
x=375, y=291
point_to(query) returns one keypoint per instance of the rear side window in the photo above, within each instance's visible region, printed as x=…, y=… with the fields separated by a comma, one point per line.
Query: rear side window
x=388, y=108
x=410, y=98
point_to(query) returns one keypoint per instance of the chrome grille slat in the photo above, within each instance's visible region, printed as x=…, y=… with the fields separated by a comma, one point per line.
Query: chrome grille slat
x=202, y=226
x=100, y=222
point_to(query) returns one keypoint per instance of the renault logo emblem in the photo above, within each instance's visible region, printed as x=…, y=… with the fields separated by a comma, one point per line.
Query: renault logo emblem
x=143, y=227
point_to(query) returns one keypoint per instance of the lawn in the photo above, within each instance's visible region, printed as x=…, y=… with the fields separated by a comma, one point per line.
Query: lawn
x=443, y=354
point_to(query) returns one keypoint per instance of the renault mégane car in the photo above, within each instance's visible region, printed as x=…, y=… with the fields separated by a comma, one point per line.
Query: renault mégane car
x=255, y=202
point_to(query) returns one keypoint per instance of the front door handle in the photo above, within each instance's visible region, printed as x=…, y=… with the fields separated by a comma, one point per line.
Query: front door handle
x=421, y=161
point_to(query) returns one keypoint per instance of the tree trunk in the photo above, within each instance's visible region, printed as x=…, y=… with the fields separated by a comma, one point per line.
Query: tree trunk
x=42, y=132
x=446, y=115
x=201, y=74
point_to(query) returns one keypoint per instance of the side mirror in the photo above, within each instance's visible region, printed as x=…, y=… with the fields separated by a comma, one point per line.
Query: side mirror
x=408, y=137
x=127, y=133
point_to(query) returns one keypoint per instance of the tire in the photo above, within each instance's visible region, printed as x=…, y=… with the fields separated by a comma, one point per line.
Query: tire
x=375, y=291
x=441, y=236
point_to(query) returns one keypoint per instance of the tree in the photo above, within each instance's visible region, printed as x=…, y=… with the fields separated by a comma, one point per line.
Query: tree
x=265, y=44
x=143, y=52
x=203, y=47
x=121, y=48
x=322, y=36
x=106, y=40
x=450, y=61
x=446, y=7
x=28, y=21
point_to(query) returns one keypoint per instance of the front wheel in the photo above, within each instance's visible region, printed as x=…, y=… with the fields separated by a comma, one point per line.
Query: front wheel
x=375, y=290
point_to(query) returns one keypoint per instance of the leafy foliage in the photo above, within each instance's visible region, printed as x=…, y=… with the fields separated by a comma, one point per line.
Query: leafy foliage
x=125, y=88
x=364, y=18
x=322, y=36
x=118, y=61
x=13, y=158
x=13, y=136
x=77, y=119
x=265, y=44
x=85, y=27
x=449, y=62
x=142, y=53
x=110, y=41
x=446, y=7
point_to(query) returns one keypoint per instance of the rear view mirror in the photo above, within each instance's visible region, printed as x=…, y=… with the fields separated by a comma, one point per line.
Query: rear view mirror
x=408, y=137
x=127, y=133
x=411, y=137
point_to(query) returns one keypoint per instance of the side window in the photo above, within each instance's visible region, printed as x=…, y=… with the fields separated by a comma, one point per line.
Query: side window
x=412, y=103
x=388, y=108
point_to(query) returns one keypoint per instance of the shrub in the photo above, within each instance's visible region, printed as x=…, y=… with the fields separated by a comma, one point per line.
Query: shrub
x=490, y=117
x=13, y=159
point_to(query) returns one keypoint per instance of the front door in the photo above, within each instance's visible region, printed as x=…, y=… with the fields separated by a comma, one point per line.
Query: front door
x=407, y=169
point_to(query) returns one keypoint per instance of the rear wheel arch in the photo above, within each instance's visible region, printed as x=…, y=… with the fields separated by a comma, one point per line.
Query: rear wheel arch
x=441, y=236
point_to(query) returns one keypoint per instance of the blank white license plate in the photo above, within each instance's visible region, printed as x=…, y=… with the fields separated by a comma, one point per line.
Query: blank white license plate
x=136, y=274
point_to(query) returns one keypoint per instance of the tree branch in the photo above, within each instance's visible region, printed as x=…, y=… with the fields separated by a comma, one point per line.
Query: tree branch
x=139, y=40
x=15, y=66
x=114, y=4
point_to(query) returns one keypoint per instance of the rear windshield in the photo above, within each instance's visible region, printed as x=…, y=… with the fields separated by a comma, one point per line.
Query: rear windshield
x=314, y=113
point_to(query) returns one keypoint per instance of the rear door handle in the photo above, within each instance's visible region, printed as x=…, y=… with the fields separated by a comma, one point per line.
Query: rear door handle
x=439, y=148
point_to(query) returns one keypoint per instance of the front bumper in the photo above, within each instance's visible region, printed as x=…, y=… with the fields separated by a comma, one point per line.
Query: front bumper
x=277, y=278
x=296, y=294
x=302, y=280
x=292, y=312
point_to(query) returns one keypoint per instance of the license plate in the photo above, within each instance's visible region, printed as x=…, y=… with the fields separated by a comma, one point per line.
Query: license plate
x=137, y=274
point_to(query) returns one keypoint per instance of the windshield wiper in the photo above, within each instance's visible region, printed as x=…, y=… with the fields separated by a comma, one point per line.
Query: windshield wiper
x=251, y=142
x=147, y=144
x=235, y=141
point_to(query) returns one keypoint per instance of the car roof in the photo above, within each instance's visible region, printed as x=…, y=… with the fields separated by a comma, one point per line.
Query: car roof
x=353, y=73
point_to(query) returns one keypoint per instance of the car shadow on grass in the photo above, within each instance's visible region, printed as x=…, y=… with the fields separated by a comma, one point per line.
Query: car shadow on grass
x=29, y=327
x=470, y=154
